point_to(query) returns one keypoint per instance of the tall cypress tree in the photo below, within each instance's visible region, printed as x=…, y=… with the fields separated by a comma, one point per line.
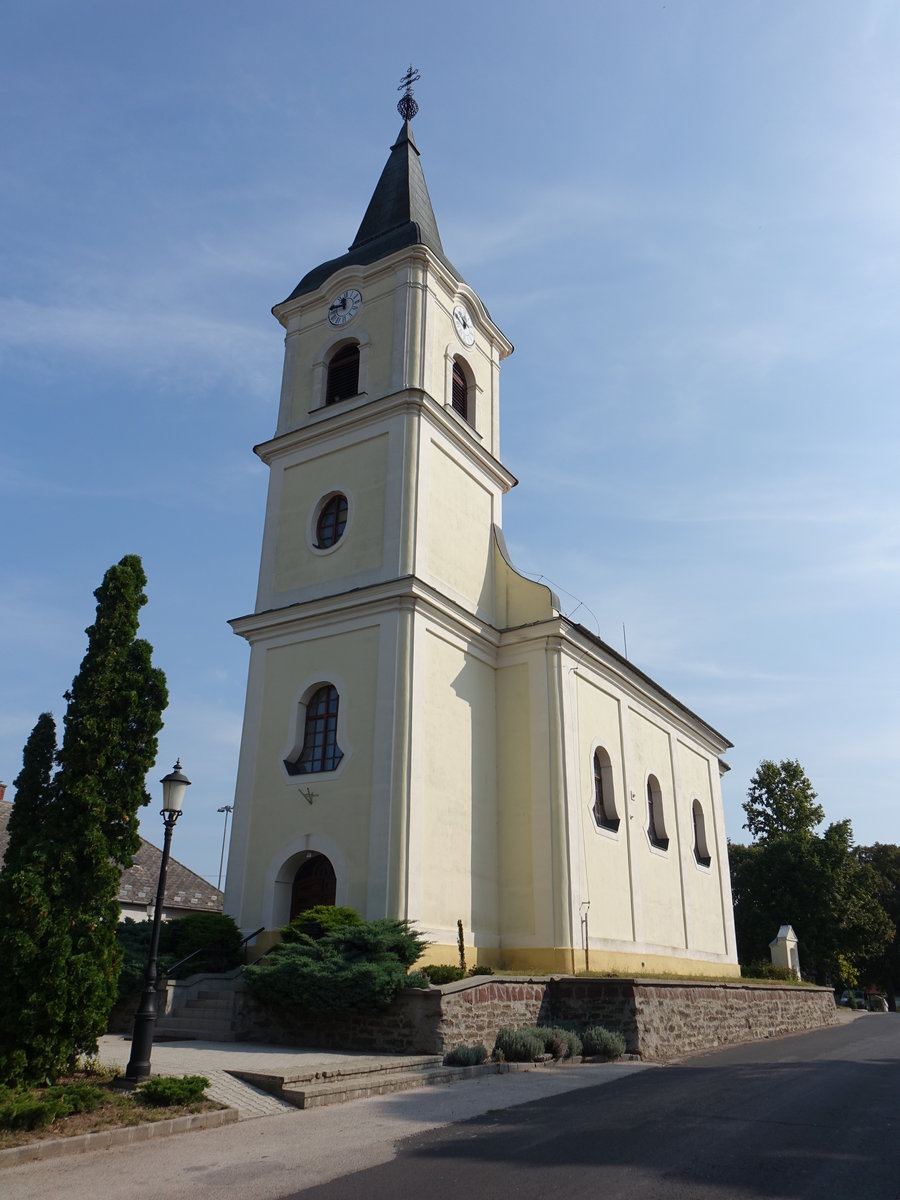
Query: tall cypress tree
x=114, y=715
x=27, y=828
x=34, y=938
x=71, y=838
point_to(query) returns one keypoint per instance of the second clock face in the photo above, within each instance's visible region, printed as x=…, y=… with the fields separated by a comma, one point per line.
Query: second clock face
x=344, y=307
x=464, y=326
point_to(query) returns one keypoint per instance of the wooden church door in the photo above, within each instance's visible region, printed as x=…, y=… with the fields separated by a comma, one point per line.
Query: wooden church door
x=314, y=883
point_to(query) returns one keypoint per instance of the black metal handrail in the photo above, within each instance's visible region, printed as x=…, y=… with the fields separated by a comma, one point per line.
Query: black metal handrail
x=206, y=949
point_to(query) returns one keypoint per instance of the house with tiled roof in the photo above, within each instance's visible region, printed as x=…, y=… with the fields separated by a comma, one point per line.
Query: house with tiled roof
x=186, y=891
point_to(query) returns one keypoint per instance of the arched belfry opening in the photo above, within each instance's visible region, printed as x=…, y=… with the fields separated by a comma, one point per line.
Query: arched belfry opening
x=315, y=883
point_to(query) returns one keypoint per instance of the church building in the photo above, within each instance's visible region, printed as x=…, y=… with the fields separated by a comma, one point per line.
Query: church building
x=426, y=735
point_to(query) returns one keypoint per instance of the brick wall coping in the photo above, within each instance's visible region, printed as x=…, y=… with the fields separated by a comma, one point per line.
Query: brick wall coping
x=745, y=985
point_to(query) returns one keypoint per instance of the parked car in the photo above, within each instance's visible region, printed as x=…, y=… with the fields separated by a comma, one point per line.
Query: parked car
x=858, y=996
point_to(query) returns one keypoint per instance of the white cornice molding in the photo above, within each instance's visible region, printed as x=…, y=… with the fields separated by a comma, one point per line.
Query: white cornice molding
x=363, y=604
x=365, y=273
x=327, y=423
x=556, y=633
x=594, y=655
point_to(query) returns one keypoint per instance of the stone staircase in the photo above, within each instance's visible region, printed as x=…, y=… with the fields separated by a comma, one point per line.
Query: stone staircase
x=204, y=1014
x=374, y=1077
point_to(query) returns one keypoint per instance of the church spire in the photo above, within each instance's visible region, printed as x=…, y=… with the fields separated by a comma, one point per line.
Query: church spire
x=401, y=199
x=399, y=213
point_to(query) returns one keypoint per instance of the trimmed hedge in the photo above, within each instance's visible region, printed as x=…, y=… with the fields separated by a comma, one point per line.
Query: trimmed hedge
x=443, y=972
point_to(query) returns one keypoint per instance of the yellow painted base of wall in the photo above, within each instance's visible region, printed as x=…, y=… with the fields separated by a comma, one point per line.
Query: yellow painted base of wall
x=264, y=942
x=564, y=961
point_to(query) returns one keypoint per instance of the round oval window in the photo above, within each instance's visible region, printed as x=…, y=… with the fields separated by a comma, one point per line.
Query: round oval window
x=332, y=521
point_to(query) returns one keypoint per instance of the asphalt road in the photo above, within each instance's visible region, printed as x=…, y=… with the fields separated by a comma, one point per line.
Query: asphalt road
x=808, y=1116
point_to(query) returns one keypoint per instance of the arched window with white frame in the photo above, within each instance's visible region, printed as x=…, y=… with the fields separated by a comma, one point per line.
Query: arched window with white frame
x=319, y=750
x=604, y=808
x=701, y=846
x=460, y=390
x=343, y=374
x=656, y=823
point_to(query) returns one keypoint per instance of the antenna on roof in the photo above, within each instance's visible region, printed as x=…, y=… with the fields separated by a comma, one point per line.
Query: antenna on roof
x=625, y=639
x=406, y=105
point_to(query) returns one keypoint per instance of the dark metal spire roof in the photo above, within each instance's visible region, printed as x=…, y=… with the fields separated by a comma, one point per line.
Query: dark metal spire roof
x=399, y=215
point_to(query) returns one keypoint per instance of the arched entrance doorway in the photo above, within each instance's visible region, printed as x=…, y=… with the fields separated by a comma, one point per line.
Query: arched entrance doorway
x=314, y=883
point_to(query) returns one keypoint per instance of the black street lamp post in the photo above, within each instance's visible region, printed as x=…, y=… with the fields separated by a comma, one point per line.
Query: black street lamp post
x=226, y=809
x=175, y=785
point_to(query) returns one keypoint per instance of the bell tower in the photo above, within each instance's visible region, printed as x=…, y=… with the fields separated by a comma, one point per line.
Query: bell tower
x=384, y=500
x=426, y=735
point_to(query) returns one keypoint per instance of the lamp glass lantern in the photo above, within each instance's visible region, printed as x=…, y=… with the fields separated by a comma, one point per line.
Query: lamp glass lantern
x=175, y=784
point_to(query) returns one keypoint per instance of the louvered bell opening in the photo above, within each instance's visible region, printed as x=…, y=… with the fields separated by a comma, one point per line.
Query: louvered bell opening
x=460, y=398
x=343, y=375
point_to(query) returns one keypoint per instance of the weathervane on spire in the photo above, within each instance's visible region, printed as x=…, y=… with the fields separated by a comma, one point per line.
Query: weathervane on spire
x=406, y=105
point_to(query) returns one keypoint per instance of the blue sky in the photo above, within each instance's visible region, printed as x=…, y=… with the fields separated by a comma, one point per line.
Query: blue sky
x=686, y=216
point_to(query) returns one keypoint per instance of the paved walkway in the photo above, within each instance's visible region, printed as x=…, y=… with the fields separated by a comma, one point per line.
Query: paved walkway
x=216, y=1059
x=279, y=1155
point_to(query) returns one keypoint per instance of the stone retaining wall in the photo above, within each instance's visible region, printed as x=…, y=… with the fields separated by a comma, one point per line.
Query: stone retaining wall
x=672, y=1019
x=410, y=1026
x=658, y=1019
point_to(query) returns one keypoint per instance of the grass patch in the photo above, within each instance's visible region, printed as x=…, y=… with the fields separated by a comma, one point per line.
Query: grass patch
x=675, y=977
x=87, y=1102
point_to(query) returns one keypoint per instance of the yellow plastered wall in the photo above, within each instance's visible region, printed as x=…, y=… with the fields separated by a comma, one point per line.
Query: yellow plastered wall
x=702, y=884
x=514, y=773
x=340, y=812
x=517, y=600
x=660, y=874
x=360, y=472
x=375, y=324
x=457, y=549
x=605, y=852
x=458, y=812
x=476, y=360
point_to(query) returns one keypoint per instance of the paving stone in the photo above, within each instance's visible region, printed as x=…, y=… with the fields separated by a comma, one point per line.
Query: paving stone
x=250, y=1101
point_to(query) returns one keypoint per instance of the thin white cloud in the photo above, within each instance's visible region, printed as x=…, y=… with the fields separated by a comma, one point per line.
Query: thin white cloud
x=146, y=340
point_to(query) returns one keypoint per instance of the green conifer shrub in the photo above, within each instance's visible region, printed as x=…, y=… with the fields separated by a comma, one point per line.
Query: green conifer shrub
x=350, y=966
x=163, y=1091
x=319, y=920
x=417, y=979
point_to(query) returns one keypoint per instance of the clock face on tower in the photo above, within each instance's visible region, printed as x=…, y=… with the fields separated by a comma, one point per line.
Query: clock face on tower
x=464, y=328
x=344, y=307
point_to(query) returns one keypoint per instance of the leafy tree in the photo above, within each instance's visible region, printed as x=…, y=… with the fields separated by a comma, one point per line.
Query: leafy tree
x=884, y=967
x=215, y=934
x=72, y=835
x=781, y=800
x=793, y=875
x=134, y=943
x=213, y=937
